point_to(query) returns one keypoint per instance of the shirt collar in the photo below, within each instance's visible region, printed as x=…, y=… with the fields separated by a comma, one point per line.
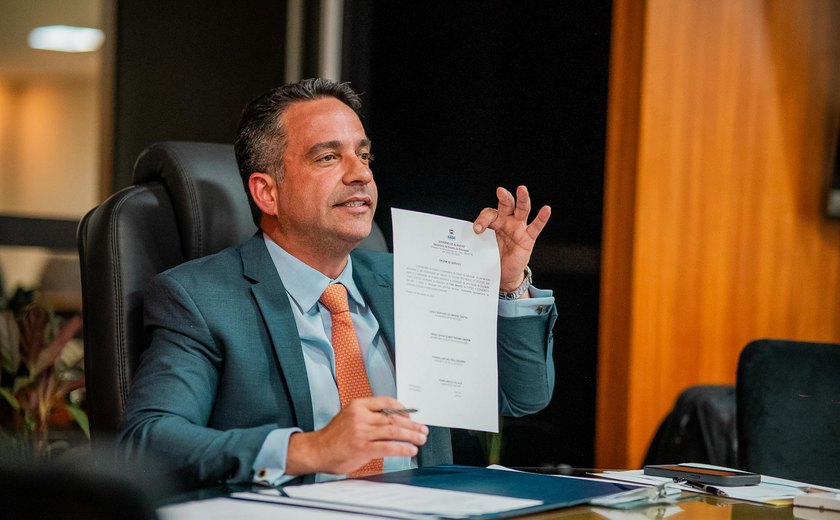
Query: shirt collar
x=305, y=284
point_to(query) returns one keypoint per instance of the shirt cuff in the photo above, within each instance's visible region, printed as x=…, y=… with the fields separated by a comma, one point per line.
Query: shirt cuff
x=270, y=464
x=539, y=303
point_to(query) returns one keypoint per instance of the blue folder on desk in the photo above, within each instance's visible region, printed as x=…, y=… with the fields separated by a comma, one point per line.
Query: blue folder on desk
x=555, y=491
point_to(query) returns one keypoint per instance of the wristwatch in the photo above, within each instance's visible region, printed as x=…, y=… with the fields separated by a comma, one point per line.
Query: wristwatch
x=519, y=291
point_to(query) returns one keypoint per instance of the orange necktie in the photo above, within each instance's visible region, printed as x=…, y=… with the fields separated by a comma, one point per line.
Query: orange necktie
x=350, y=374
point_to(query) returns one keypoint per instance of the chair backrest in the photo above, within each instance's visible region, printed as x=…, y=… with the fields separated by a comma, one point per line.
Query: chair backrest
x=83, y=489
x=187, y=201
x=700, y=428
x=788, y=406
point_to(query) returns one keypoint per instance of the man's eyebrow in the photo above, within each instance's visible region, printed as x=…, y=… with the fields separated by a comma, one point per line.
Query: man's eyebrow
x=320, y=147
x=334, y=145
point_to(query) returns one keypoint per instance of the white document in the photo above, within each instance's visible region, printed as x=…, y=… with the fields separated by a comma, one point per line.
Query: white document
x=233, y=509
x=771, y=490
x=446, y=297
x=409, y=499
x=368, y=511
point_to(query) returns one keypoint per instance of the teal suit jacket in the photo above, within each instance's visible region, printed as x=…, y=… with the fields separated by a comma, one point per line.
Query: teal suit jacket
x=225, y=366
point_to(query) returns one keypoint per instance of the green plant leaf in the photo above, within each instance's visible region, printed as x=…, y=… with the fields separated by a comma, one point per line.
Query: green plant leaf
x=47, y=356
x=80, y=417
x=35, y=321
x=29, y=422
x=9, y=342
x=10, y=398
x=21, y=382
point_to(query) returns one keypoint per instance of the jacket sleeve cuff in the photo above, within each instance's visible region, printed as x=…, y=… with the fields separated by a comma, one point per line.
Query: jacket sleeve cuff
x=270, y=464
x=539, y=303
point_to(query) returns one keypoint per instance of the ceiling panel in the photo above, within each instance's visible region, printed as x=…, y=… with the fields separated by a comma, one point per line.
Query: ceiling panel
x=18, y=17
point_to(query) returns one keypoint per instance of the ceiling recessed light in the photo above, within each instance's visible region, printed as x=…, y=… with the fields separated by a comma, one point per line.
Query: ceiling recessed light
x=65, y=38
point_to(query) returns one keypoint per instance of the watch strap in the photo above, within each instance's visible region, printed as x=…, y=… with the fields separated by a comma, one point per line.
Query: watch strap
x=519, y=291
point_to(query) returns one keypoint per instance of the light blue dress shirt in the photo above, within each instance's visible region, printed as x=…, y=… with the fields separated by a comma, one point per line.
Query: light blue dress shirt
x=304, y=286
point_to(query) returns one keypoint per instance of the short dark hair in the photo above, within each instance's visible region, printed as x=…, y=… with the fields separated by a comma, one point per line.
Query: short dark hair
x=261, y=138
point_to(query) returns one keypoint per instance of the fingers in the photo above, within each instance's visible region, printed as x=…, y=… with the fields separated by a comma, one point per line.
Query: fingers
x=357, y=434
x=380, y=435
x=518, y=207
x=386, y=427
x=507, y=204
x=485, y=220
x=538, y=224
x=523, y=204
x=403, y=429
x=381, y=402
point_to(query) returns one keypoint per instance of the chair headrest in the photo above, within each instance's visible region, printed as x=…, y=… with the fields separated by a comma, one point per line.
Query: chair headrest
x=208, y=196
x=206, y=190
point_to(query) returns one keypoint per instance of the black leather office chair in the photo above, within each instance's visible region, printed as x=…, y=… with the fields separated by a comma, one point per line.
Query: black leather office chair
x=90, y=489
x=788, y=402
x=700, y=428
x=187, y=201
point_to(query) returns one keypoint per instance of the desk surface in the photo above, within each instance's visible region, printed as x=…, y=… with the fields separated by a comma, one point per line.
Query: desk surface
x=695, y=506
x=703, y=507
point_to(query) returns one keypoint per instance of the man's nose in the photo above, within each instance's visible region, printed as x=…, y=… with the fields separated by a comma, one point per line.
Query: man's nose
x=358, y=171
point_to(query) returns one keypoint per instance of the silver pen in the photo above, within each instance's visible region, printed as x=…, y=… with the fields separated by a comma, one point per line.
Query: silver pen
x=701, y=487
x=397, y=411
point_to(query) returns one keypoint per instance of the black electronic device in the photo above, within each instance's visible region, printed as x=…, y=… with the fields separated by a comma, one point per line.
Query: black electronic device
x=703, y=475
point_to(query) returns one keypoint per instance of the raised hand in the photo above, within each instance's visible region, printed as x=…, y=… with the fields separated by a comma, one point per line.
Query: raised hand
x=515, y=236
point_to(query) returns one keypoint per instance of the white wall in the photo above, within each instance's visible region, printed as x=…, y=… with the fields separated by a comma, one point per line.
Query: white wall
x=49, y=147
x=49, y=159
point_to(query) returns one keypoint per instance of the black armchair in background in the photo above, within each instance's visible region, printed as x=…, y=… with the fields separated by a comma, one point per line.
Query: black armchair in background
x=700, y=428
x=89, y=489
x=187, y=201
x=788, y=401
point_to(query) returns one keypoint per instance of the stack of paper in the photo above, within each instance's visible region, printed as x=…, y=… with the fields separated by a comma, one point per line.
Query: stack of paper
x=378, y=497
x=771, y=490
x=445, y=491
x=233, y=509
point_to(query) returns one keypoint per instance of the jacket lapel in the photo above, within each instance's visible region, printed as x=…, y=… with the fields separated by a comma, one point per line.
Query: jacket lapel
x=375, y=281
x=270, y=295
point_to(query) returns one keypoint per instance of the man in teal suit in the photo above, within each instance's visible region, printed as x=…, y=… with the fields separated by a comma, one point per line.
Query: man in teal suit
x=238, y=382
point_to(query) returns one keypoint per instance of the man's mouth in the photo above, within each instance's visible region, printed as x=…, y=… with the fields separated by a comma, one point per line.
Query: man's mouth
x=357, y=201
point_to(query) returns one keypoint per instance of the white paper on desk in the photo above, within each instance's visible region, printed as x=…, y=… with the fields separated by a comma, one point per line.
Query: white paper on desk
x=597, y=477
x=446, y=281
x=411, y=499
x=233, y=509
x=770, y=490
x=329, y=506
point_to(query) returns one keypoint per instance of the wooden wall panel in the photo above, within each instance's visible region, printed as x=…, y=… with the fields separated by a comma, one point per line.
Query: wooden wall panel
x=737, y=117
x=619, y=210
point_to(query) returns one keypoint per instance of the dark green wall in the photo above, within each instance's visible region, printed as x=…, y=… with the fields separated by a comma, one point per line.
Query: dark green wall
x=461, y=97
x=185, y=69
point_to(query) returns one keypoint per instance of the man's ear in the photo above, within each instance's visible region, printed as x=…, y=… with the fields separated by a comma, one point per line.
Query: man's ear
x=264, y=192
